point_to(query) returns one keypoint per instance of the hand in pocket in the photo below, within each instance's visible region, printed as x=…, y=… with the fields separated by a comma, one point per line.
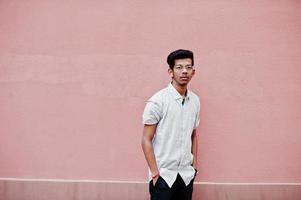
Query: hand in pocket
x=155, y=180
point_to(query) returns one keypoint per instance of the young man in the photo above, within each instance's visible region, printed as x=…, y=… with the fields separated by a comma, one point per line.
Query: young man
x=169, y=140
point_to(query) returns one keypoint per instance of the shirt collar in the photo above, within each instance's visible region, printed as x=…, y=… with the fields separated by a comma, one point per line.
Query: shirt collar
x=175, y=93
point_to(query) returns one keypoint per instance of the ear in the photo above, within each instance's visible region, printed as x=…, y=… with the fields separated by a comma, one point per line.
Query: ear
x=170, y=72
x=193, y=72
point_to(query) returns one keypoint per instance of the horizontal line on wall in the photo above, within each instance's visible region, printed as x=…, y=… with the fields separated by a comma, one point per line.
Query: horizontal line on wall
x=139, y=182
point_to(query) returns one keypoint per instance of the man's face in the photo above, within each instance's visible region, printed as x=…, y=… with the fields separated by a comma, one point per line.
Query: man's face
x=182, y=72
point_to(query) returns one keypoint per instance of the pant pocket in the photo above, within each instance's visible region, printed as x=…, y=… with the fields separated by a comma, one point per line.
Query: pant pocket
x=161, y=184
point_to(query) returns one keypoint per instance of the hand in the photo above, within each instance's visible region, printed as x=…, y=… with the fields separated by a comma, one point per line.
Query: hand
x=155, y=180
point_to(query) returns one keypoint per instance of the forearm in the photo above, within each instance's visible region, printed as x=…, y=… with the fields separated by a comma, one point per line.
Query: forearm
x=148, y=150
x=194, y=148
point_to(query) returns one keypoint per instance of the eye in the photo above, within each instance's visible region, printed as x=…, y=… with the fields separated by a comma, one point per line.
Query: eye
x=179, y=67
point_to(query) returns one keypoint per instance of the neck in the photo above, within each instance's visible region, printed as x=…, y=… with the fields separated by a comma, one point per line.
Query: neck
x=180, y=88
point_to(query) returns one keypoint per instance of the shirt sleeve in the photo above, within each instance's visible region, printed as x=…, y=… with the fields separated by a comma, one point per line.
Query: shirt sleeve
x=152, y=113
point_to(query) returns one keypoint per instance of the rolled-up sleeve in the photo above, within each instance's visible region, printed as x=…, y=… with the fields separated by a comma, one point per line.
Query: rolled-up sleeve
x=152, y=113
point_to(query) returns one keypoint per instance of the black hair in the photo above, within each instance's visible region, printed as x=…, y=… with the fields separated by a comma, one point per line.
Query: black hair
x=179, y=54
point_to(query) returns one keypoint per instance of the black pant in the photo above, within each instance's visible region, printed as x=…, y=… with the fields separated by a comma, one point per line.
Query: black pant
x=178, y=191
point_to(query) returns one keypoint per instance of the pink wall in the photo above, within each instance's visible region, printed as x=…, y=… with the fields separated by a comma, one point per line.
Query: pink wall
x=74, y=77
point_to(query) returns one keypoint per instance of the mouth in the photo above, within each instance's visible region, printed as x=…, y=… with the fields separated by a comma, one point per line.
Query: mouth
x=184, y=78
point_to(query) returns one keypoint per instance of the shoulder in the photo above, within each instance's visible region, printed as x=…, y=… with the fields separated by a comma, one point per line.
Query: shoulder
x=195, y=98
x=154, y=107
x=159, y=96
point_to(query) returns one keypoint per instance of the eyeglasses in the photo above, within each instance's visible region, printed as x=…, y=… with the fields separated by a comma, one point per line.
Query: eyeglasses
x=181, y=67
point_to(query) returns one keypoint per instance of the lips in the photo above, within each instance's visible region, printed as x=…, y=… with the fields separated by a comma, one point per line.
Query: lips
x=184, y=78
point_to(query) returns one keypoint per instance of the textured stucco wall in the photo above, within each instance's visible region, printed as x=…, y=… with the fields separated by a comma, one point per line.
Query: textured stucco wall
x=74, y=77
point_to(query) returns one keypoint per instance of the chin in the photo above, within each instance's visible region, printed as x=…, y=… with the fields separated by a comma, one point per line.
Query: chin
x=184, y=84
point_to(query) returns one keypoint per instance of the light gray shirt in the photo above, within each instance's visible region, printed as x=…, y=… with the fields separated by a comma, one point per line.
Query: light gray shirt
x=175, y=123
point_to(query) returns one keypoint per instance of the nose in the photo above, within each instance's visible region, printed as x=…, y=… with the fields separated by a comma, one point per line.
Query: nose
x=184, y=71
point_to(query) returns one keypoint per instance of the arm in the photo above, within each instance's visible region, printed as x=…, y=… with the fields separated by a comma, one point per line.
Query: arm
x=194, y=148
x=147, y=146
